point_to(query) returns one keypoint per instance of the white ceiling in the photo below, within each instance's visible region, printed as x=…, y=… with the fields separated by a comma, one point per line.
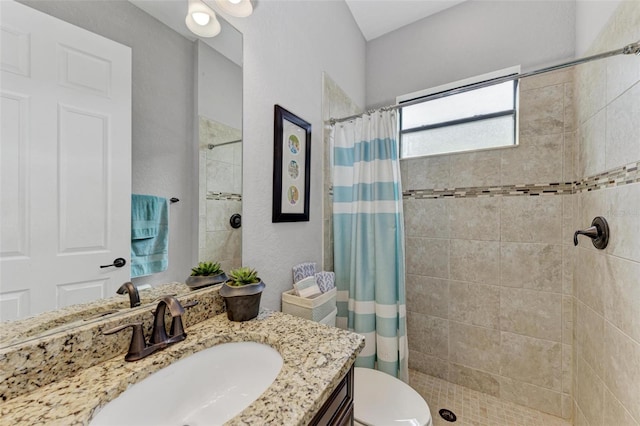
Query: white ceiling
x=378, y=17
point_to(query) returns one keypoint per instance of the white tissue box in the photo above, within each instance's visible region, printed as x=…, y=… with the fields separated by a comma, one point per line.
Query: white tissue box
x=315, y=309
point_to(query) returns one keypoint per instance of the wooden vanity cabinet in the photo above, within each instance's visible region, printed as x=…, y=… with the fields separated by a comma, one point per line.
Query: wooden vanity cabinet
x=338, y=410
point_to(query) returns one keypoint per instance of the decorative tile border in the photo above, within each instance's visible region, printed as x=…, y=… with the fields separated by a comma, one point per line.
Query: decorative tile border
x=616, y=177
x=224, y=196
x=492, y=191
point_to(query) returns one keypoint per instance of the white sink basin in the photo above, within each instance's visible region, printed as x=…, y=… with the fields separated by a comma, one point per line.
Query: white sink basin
x=206, y=388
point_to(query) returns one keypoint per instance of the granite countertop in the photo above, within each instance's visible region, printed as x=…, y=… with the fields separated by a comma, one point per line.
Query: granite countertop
x=12, y=332
x=315, y=358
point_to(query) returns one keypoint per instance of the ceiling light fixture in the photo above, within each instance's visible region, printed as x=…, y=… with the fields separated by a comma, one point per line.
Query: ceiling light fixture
x=201, y=20
x=237, y=8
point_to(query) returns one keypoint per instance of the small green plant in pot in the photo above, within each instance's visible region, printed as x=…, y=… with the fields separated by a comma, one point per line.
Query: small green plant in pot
x=242, y=293
x=205, y=274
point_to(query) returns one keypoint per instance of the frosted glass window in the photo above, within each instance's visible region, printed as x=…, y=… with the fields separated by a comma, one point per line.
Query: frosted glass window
x=469, y=136
x=478, y=119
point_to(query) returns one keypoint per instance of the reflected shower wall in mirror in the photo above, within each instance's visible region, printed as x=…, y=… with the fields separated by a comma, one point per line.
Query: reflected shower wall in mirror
x=165, y=114
x=220, y=155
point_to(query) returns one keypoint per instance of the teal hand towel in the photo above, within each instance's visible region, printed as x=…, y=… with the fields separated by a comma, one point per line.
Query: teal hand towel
x=149, y=235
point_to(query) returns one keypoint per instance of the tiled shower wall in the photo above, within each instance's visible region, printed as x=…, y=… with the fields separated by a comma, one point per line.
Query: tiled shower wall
x=220, y=194
x=488, y=250
x=607, y=282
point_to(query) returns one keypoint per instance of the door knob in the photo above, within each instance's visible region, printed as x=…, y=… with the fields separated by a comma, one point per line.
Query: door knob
x=118, y=263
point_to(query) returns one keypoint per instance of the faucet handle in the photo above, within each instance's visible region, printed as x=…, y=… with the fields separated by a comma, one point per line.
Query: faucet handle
x=177, y=332
x=138, y=346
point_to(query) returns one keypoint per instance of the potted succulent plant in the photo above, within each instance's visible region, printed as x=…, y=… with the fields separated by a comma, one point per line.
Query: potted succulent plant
x=242, y=294
x=206, y=273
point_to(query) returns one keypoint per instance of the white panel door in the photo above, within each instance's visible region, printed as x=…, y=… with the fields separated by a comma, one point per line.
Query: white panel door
x=65, y=158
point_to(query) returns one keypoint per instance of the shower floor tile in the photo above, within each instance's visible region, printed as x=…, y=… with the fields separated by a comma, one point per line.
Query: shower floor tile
x=474, y=408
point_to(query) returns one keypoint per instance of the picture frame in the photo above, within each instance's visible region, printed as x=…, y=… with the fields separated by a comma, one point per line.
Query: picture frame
x=291, y=167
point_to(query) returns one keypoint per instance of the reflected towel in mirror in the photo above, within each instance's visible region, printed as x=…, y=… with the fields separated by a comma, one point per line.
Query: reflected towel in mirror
x=149, y=235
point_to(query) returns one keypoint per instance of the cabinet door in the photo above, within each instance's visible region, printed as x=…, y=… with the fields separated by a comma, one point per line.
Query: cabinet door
x=338, y=410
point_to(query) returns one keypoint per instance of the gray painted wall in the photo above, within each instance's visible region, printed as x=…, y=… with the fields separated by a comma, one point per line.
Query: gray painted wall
x=164, y=158
x=287, y=46
x=469, y=39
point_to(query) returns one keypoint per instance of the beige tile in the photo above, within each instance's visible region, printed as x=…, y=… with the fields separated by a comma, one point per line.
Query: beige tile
x=475, y=261
x=569, y=159
x=427, y=173
x=475, y=347
x=547, y=79
x=568, y=268
x=570, y=118
x=427, y=295
x=589, y=394
x=592, y=145
x=474, y=408
x=475, y=169
x=615, y=413
x=429, y=257
x=623, y=129
x=567, y=370
x=621, y=75
x=474, y=379
x=534, y=266
x=404, y=175
x=589, y=337
x=590, y=275
x=475, y=304
x=567, y=319
x=623, y=216
x=426, y=218
x=474, y=218
x=428, y=335
x=542, y=110
x=567, y=405
x=428, y=364
x=580, y=419
x=622, y=295
x=622, y=368
x=538, y=159
x=532, y=313
x=529, y=395
x=590, y=89
x=531, y=219
x=530, y=360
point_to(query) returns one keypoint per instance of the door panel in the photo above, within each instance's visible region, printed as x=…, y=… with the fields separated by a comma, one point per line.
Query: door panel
x=66, y=163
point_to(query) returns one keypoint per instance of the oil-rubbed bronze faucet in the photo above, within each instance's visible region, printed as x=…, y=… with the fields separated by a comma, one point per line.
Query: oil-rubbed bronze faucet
x=139, y=348
x=134, y=296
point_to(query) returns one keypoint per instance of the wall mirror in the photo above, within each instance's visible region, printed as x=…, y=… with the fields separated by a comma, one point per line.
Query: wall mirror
x=211, y=136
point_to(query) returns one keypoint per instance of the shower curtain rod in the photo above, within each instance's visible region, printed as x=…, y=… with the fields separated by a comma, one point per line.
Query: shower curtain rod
x=633, y=48
x=211, y=146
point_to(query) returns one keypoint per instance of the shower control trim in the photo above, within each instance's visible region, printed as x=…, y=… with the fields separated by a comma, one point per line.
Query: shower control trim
x=598, y=232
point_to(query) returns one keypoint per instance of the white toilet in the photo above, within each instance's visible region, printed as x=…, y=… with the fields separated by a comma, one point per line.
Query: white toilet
x=383, y=400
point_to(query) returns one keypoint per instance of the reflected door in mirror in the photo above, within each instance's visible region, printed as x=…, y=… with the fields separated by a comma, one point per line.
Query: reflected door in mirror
x=66, y=155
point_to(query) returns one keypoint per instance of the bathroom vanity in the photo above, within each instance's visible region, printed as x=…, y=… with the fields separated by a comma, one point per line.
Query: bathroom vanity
x=314, y=386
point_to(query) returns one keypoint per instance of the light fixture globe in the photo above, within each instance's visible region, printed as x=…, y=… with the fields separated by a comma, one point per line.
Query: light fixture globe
x=201, y=20
x=237, y=8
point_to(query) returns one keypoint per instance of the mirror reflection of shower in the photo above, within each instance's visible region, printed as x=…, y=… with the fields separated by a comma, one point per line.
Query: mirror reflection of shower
x=220, y=193
x=220, y=157
x=211, y=146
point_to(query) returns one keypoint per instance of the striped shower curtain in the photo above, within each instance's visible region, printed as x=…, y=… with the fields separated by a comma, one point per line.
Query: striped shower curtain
x=369, y=239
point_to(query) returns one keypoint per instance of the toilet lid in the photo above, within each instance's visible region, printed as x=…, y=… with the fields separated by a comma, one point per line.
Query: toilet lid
x=381, y=400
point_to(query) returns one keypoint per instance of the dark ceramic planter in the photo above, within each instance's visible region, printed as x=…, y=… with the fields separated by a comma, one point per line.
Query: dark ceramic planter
x=243, y=303
x=200, y=281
